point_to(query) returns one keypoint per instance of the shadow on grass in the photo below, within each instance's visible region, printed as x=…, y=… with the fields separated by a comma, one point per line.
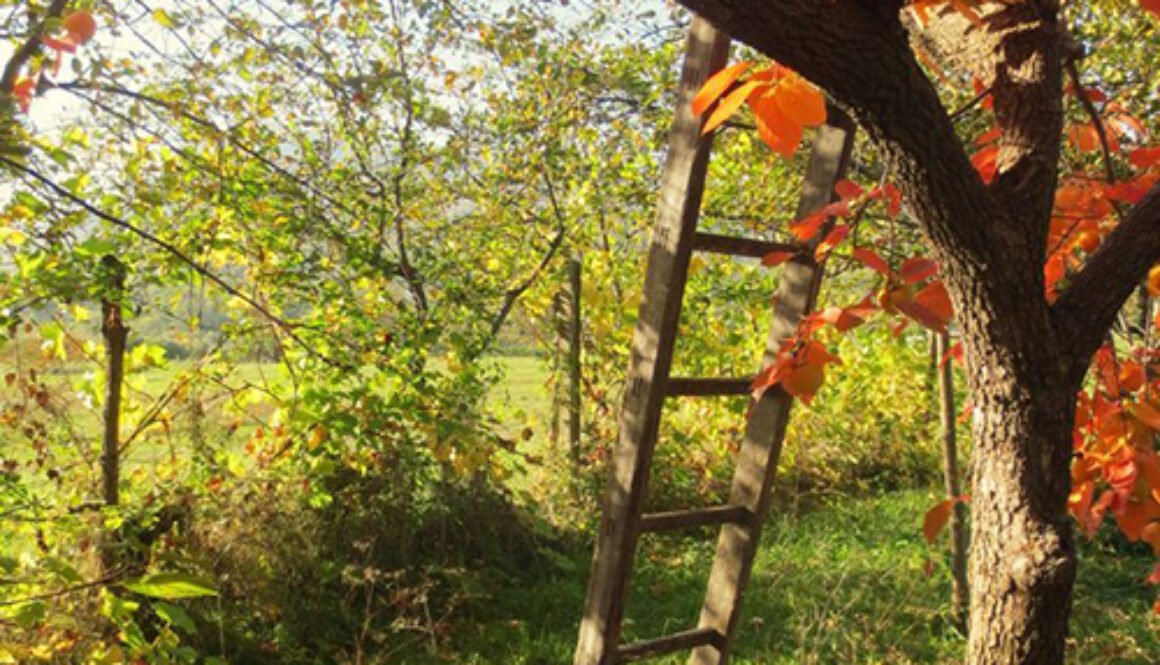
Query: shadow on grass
x=843, y=583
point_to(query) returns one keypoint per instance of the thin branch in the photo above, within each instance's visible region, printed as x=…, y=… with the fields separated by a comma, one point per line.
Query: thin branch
x=1097, y=121
x=288, y=328
x=49, y=595
x=513, y=294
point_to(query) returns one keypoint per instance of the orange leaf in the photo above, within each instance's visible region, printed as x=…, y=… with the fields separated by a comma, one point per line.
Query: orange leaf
x=1131, y=376
x=779, y=132
x=729, y=105
x=936, y=519
x=1079, y=502
x=930, y=308
x=1154, y=281
x=1084, y=137
x=800, y=101
x=1135, y=516
x=1145, y=413
x=80, y=25
x=777, y=258
x=1151, y=535
x=716, y=86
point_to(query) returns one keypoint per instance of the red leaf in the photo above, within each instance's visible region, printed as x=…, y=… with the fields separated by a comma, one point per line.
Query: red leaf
x=847, y=318
x=954, y=353
x=1144, y=157
x=871, y=260
x=894, y=198
x=1154, y=7
x=1132, y=191
x=916, y=269
x=832, y=239
x=64, y=44
x=1106, y=370
x=848, y=189
x=985, y=163
x=807, y=228
x=716, y=86
x=1154, y=578
x=989, y=136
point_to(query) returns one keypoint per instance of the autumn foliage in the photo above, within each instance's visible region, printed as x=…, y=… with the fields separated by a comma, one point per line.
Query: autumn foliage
x=1116, y=470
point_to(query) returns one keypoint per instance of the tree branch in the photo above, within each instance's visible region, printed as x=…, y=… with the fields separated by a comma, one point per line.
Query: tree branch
x=290, y=329
x=1085, y=311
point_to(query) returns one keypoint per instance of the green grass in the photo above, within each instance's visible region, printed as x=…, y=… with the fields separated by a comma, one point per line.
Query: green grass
x=843, y=583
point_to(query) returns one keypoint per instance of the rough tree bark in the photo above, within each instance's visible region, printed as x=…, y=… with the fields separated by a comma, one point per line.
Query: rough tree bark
x=1026, y=358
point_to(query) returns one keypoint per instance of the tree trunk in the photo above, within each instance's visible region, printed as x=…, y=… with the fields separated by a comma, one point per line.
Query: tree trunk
x=1022, y=551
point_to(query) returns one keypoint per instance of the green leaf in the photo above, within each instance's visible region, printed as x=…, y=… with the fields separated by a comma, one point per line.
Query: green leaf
x=176, y=617
x=171, y=586
x=95, y=247
x=30, y=614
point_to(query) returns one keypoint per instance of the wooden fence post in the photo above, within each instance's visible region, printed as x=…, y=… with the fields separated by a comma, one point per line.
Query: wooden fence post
x=959, y=587
x=115, y=333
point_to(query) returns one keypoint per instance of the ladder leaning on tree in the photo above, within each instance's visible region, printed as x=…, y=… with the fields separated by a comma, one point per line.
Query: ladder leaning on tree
x=674, y=239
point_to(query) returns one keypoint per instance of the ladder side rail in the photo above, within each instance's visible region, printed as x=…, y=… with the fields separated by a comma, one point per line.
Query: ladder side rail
x=682, y=187
x=768, y=417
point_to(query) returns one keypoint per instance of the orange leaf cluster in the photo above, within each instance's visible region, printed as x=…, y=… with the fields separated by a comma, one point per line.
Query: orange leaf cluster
x=783, y=103
x=79, y=27
x=799, y=368
x=1116, y=468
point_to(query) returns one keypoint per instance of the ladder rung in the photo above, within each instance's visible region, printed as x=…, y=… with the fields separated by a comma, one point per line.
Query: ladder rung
x=679, y=386
x=751, y=247
x=687, y=639
x=683, y=519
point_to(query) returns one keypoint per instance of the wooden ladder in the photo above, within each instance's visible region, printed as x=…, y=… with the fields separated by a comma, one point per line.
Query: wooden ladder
x=674, y=239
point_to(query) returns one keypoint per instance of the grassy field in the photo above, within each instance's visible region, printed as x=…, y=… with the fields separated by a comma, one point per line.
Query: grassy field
x=843, y=583
x=836, y=583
